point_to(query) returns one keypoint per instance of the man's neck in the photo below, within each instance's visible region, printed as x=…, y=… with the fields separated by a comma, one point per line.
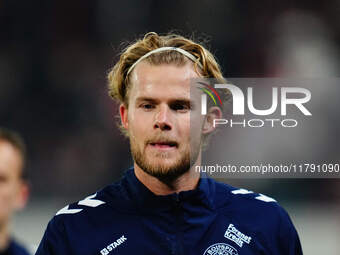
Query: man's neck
x=187, y=181
x=4, y=237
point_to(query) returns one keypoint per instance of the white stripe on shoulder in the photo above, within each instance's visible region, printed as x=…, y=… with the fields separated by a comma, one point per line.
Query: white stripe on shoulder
x=88, y=201
x=66, y=210
x=242, y=191
x=265, y=198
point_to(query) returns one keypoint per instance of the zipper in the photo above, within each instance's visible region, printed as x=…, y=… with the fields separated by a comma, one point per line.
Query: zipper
x=178, y=219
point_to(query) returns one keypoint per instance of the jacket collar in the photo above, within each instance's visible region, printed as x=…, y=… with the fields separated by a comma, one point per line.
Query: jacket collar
x=146, y=200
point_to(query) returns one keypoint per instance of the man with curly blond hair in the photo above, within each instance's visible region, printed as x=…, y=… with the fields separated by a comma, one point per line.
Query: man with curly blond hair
x=162, y=205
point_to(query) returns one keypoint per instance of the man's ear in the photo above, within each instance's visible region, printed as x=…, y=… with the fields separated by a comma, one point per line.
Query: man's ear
x=213, y=113
x=123, y=111
x=22, y=195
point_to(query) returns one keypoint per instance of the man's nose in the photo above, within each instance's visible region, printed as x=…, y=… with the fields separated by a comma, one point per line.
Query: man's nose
x=163, y=118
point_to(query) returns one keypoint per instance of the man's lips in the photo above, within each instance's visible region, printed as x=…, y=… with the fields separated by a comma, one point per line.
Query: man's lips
x=164, y=144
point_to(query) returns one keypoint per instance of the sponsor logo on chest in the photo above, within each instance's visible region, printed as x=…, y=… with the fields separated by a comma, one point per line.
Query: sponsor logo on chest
x=233, y=234
x=113, y=245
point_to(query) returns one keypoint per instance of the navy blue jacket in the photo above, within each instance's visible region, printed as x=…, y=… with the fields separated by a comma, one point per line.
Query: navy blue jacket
x=126, y=218
x=14, y=248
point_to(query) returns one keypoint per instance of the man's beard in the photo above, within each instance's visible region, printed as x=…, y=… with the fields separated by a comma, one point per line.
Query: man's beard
x=167, y=174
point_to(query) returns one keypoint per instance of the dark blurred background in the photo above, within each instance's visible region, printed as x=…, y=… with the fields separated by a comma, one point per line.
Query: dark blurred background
x=54, y=57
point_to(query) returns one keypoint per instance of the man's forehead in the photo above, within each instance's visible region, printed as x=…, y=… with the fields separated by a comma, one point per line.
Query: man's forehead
x=165, y=81
x=146, y=73
x=10, y=157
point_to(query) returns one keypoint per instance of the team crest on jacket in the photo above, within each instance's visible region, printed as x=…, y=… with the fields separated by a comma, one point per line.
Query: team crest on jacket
x=220, y=249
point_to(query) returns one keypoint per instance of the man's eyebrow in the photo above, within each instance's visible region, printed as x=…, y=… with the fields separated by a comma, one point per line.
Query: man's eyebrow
x=181, y=101
x=173, y=100
x=146, y=99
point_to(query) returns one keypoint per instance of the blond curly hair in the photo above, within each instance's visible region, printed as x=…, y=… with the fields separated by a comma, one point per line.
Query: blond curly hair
x=118, y=77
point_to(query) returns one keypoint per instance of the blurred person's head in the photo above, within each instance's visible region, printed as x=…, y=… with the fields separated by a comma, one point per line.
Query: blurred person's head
x=14, y=189
x=153, y=89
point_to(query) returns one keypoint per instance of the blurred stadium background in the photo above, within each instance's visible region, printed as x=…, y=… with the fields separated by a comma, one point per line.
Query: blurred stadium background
x=54, y=56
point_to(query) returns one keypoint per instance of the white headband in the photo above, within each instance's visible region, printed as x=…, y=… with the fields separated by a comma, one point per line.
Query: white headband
x=185, y=53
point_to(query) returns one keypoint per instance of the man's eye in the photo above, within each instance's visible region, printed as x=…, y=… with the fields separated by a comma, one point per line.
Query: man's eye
x=147, y=106
x=180, y=107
